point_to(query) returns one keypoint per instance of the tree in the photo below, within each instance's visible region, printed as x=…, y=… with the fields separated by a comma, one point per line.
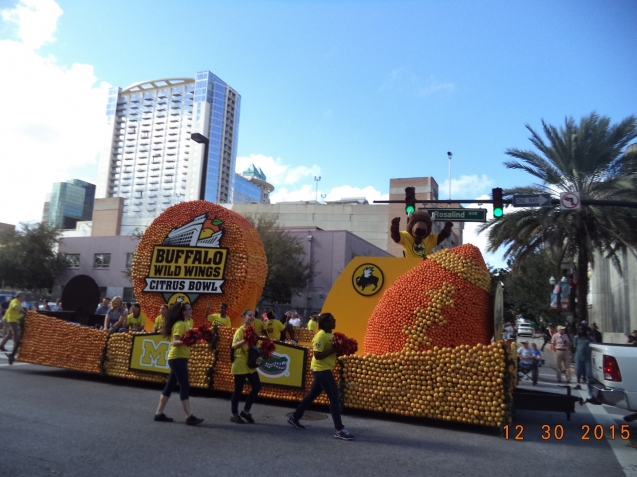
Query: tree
x=588, y=158
x=288, y=273
x=29, y=257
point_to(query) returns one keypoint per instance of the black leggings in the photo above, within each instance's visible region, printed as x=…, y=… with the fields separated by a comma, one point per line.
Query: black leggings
x=239, y=381
x=178, y=374
x=323, y=381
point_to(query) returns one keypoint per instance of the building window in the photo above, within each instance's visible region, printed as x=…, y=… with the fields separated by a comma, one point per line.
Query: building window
x=73, y=260
x=102, y=260
x=129, y=295
x=129, y=260
x=102, y=293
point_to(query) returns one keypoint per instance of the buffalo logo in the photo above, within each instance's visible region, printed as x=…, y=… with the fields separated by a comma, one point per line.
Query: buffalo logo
x=277, y=366
x=368, y=279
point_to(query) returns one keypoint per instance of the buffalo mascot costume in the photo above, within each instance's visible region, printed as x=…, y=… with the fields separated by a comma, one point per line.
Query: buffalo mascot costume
x=417, y=240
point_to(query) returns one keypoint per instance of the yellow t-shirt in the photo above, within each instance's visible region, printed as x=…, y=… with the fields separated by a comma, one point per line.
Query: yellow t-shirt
x=179, y=329
x=189, y=324
x=258, y=326
x=312, y=325
x=140, y=321
x=217, y=318
x=323, y=342
x=417, y=251
x=273, y=328
x=12, y=315
x=159, y=323
x=240, y=364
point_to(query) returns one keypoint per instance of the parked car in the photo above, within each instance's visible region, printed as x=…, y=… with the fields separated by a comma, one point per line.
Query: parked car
x=614, y=380
x=525, y=329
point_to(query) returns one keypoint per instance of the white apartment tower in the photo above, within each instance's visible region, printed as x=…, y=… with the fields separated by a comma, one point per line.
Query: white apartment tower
x=149, y=158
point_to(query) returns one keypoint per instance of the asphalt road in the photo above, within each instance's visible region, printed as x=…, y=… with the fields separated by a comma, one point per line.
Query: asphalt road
x=62, y=423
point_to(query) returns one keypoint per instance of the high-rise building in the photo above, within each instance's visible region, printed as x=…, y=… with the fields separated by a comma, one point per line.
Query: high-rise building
x=70, y=202
x=149, y=158
x=251, y=187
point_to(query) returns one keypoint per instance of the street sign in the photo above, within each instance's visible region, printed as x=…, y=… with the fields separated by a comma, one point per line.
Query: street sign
x=532, y=200
x=570, y=200
x=458, y=215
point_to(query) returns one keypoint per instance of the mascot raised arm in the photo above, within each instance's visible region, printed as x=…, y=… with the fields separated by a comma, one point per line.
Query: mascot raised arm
x=417, y=240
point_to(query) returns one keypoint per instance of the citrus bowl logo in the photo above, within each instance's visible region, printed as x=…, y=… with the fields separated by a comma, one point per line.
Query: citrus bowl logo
x=277, y=366
x=368, y=279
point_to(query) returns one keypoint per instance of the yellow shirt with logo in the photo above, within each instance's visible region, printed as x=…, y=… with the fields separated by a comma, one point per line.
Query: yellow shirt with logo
x=139, y=322
x=12, y=315
x=240, y=363
x=179, y=329
x=217, y=318
x=312, y=325
x=159, y=323
x=273, y=328
x=258, y=326
x=417, y=251
x=323, y=342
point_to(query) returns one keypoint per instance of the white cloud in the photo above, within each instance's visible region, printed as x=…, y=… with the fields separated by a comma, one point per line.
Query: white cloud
x=471, y=236
x=276, y=172
x=466, y=185
x=52, y=121
x=403, y=80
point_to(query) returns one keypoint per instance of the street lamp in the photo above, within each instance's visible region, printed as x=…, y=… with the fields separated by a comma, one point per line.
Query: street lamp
x=449, y=154
x=317, y=179
x=201, y=139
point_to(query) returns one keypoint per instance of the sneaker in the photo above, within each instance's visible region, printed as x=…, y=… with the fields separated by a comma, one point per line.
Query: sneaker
x=163, y=418
x=295, y=423
x=247, y=416
x=193, y=421
x=10, y=357
x=343, y=434
x=237, y=420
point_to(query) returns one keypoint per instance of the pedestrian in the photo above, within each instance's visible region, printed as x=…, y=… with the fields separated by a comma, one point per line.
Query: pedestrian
x=295, y=320
x=137, y=319
x=312, y=325
x=14, y=318
x=104, y=307
x=582, y=342
x=161, y=318
x=537, y=354
x=115, y=317
x=58, y=305
x=560, y=345
x=597, y=336
x=546, y=334
x=175, y=329
x=221, y=318
x=322, y=364
x=242, y=372
x=632, y=338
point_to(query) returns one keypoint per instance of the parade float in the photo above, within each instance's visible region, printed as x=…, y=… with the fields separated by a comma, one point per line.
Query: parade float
x=425, y=327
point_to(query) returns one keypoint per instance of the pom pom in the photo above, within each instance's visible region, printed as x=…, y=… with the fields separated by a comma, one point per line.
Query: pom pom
x=344, y=345
x=267, y=348
x=250, y=336
x=206, y=333
x=191, y=337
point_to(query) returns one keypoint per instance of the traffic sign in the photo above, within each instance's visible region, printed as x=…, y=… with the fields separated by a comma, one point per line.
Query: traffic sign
x=570, y=200
x=532, y=200
x=458, y=215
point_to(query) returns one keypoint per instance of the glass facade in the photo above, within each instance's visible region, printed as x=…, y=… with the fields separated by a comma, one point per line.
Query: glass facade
x=246, y=192
x=71, y=201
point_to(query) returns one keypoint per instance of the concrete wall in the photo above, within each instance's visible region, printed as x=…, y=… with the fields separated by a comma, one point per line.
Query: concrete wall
x=369, y=222
x=613, y=304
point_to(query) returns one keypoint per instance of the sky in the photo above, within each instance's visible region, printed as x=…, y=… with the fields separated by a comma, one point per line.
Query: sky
x=353, y=92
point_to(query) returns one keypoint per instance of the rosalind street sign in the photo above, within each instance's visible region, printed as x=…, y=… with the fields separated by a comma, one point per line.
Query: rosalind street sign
x=458, y=215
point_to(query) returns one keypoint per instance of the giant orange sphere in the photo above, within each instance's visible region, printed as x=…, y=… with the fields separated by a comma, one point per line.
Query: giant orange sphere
x=203, y=253
x=445, y=301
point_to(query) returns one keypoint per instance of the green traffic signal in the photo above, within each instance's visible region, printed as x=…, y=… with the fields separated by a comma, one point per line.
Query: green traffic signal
x=498, y=204
x=410, y=200
x=498, y=212
x=410, y=210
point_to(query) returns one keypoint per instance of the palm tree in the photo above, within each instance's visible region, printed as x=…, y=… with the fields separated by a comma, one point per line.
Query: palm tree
x=589, y=158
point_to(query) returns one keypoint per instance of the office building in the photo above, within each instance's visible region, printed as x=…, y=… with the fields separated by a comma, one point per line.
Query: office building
x=149, y=158
x=251, y=187
x=69, y=202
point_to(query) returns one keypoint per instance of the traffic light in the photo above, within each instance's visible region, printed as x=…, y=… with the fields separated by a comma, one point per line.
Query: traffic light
x=410, y=201
x=498, y=205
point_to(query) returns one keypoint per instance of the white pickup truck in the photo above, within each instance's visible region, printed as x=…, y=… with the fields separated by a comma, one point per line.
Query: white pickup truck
x=614, y=377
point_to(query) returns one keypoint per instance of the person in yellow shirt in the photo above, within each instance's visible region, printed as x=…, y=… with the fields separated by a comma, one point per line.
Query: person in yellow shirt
x=276, y=329
x=417, y=240
x=323, y=362
x=175, y=328
x=221, y=318
x=14, y=319
x=242, y=372
x=136, y=320
x=312, y=325
x=159, y=321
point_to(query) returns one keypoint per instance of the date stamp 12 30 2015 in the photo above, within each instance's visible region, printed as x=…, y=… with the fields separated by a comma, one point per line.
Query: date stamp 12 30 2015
x=588, y=433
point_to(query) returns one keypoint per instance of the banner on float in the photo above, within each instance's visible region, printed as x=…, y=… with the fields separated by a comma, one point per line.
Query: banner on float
x=184, y=286
x=150, y=353
x=286, y=367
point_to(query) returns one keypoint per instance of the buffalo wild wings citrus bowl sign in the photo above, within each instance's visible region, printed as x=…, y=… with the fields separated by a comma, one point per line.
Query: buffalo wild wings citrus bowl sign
x=202, y=253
